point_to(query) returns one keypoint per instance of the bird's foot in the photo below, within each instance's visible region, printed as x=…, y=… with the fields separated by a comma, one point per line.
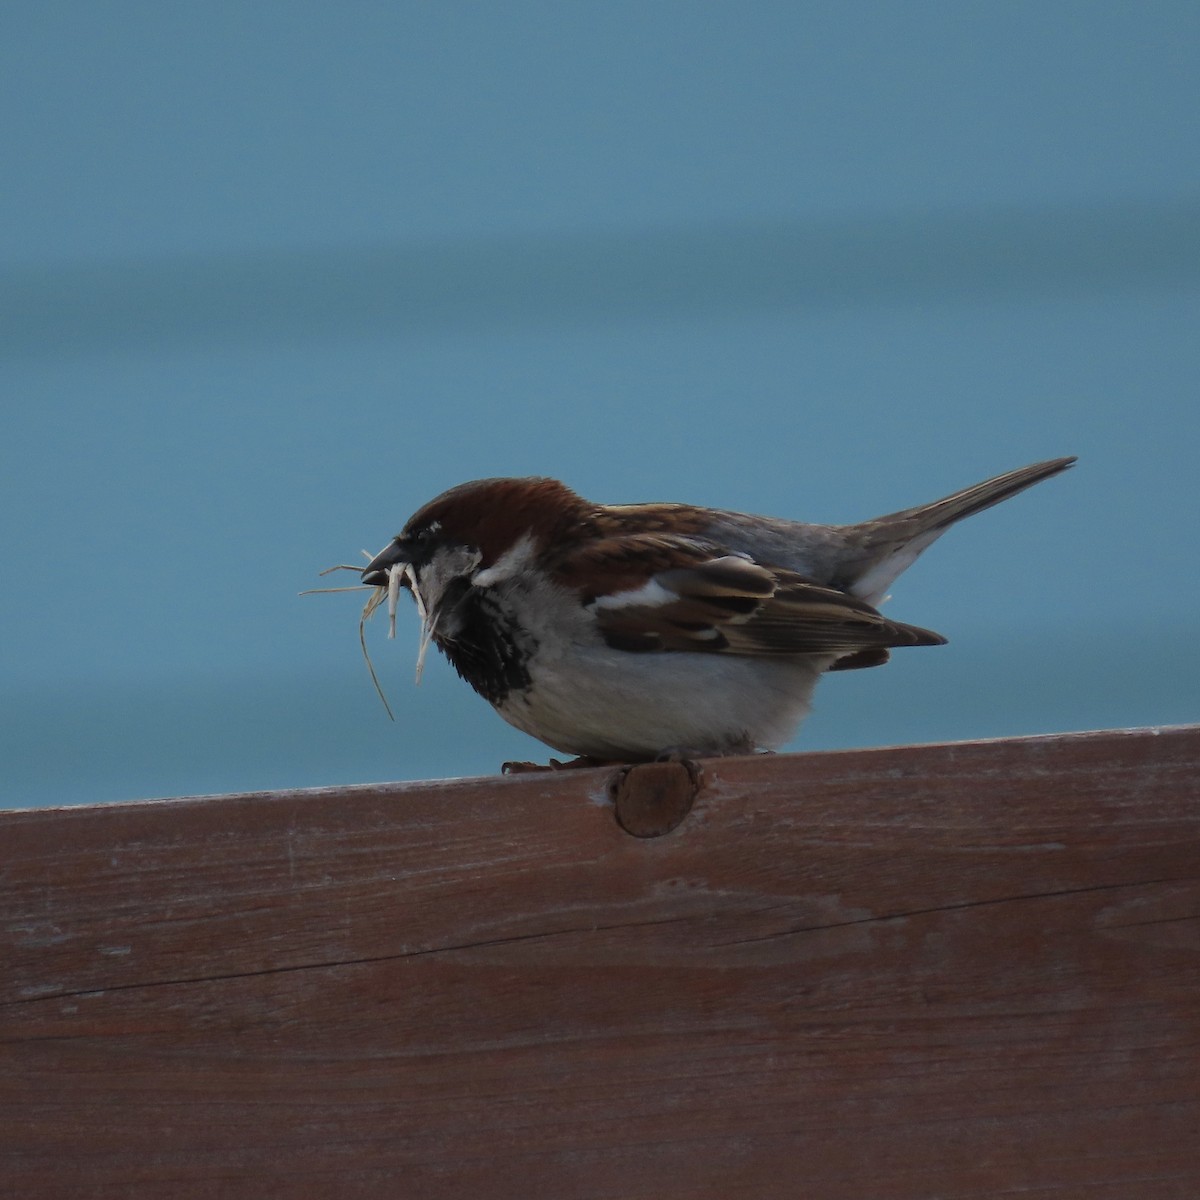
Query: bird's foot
x=680, y=754
x=686, y=754
x=528, y=768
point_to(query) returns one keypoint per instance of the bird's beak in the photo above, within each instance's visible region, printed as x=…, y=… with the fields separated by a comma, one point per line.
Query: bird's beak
x=375, y=573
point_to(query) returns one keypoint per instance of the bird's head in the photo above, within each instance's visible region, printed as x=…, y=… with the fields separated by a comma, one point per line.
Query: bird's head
x=478, y=528
x=475, y=535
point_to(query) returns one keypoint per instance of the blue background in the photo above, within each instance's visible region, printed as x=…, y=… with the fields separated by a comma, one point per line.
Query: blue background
x=274, y=274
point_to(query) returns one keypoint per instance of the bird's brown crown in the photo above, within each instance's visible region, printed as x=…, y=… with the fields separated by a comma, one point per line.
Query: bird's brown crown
x=493, y=515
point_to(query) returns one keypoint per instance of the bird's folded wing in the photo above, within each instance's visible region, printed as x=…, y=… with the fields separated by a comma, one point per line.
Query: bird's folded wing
x=656, y=592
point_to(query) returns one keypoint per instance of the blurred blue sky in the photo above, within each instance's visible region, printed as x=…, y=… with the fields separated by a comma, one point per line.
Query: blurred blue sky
x=273, y=275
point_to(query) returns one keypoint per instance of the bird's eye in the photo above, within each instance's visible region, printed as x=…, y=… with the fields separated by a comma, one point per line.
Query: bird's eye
x=420, y=543
x=426, y=534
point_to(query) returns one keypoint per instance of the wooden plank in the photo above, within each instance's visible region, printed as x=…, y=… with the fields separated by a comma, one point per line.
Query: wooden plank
x=965, y=970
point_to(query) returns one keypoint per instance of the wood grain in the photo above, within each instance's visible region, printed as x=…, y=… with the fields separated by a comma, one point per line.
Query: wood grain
x=950, y=971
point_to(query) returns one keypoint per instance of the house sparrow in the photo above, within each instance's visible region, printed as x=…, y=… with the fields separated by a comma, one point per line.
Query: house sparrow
x=632, y=632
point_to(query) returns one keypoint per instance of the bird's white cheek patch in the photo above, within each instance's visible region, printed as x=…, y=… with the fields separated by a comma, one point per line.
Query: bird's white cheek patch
x=510, y=563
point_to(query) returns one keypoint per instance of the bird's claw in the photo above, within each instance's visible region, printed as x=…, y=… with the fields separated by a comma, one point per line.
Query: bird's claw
x=555, y=764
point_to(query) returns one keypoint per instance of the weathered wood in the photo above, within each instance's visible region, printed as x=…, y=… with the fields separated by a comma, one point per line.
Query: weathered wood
x=945, y=971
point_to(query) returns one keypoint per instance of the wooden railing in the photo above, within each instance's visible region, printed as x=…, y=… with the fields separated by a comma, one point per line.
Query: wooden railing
x=965, y=970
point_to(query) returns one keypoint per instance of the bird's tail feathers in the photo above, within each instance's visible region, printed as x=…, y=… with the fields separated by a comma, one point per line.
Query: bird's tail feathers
x=965, y=503
x=889, y=544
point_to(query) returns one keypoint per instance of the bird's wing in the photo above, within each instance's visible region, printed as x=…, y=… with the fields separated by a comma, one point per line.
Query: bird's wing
x=653, y=592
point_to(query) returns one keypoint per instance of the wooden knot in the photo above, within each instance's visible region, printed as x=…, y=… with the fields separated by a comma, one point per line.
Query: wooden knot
x=652, y=798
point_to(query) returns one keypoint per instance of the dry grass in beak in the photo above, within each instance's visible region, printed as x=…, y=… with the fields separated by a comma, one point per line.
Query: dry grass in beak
x=426, y=620
x=396, y=577
x=399, y=575
x=374, y=600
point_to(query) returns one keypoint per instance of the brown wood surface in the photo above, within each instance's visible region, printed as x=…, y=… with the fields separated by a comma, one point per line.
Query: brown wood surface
x=944, y=971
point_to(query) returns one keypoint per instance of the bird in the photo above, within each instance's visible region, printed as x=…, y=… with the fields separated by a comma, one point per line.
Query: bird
x=639, y=632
